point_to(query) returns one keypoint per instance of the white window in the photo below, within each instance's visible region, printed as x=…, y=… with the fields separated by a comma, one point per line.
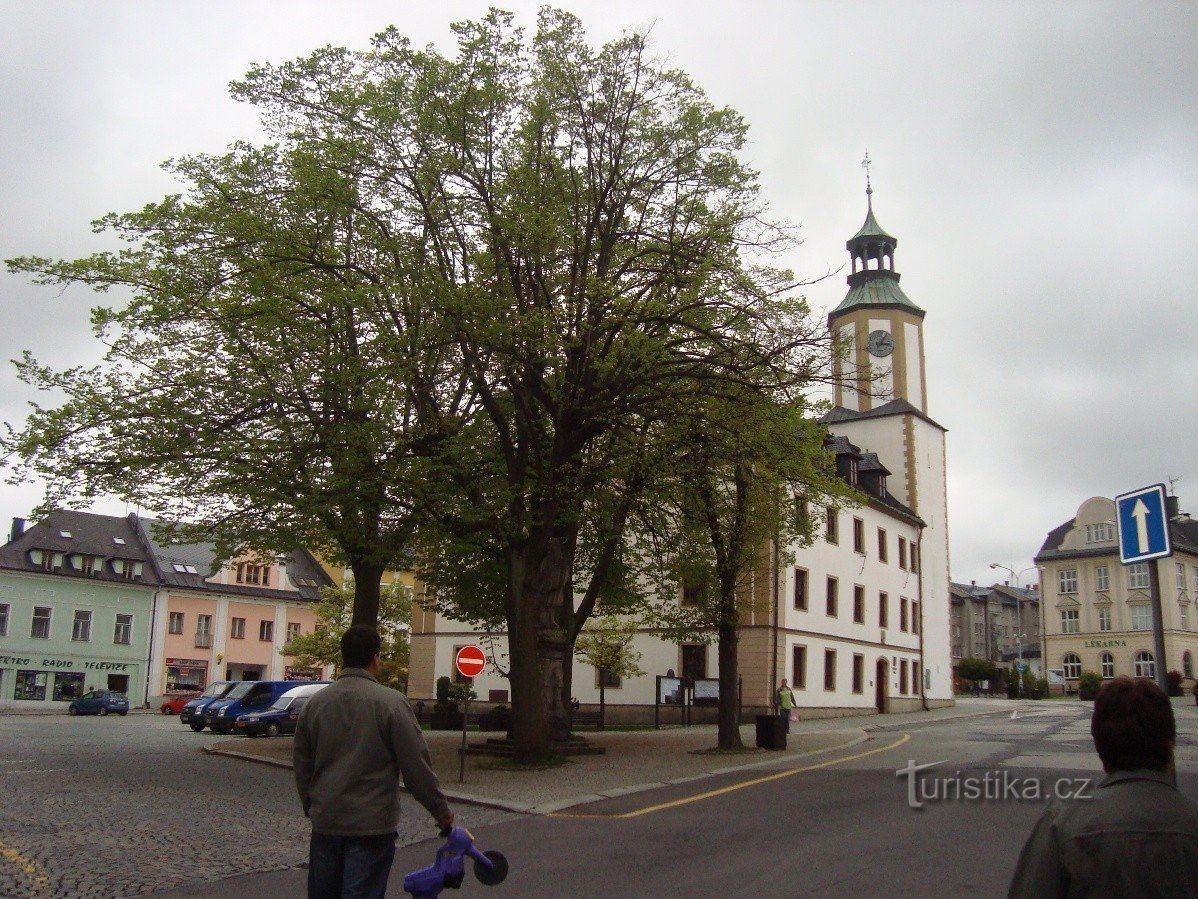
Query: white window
x=123, y=633
x=266, y=631
x=1102, y=578
x=1069, y=621
x=1184, y=614
x=82, y=629
x=1067, y=580
x=1141, y=618
x=176, y=625
x=1181, y=576
x=1137, y=576
x=1107, y=665
x=1104, y=619
x=3, y=619
x=237, y=629
x=203, y=631
x=1072, y=665
x=1145, y=664
x=1099, y=533
x=293, y=630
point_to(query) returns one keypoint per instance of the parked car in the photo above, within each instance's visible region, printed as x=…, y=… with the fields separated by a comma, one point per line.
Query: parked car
x=175, y=701
x=280, y=718
x=99, y=702
x=248, y=696
x=193, y=710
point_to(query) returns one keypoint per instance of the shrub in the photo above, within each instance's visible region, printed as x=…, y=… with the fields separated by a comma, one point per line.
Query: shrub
x=443, y=689
x=1174, y=679
x=1088, y=684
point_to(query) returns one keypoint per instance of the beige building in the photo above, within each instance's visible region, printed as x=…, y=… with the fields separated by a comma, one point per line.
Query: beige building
x=1000, y=623
x=1097, y=612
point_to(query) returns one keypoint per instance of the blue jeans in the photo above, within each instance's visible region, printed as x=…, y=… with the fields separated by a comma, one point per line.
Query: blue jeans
x=349, y=867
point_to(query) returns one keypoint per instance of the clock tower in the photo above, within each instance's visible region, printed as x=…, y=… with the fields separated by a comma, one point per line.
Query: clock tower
x=880, y=331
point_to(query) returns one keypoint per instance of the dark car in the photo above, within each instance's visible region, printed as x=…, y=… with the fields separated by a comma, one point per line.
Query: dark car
x=99, y=702
x=280, y=718
x=245, y=698
x=174, y=702
x=193, y=710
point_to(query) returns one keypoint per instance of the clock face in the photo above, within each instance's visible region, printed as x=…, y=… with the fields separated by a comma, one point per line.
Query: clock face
x=880, y=343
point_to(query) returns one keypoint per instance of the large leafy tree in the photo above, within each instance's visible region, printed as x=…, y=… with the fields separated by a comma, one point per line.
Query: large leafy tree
x=594, y=235
x=265, y=378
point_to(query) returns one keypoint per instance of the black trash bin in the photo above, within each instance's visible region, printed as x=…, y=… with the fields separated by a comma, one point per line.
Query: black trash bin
x=771, y=731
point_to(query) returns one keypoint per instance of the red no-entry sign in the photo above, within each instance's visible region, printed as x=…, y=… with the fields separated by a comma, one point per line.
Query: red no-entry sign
x=470, y=661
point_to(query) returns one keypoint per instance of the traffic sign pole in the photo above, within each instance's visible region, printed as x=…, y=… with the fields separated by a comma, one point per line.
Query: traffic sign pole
x=1158, y=625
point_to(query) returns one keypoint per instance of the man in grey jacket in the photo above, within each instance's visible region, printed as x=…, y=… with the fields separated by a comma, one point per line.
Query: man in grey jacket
x=1137, y=835
x=353, y=741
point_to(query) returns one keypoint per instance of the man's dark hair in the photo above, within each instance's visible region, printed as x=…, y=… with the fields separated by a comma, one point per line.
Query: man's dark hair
x=1133, y=725
x=359, y=645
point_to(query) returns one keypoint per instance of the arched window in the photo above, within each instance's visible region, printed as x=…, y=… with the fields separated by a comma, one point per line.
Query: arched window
x=1107, y=665
x=1072, y=665
x=1187, y=664
x=1145, y=664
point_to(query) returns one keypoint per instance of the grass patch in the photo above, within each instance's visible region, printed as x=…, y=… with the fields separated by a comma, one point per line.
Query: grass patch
x=544, y=763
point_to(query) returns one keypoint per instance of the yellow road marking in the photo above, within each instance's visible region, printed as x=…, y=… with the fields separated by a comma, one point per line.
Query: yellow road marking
x=32, y=869
x=699, y=797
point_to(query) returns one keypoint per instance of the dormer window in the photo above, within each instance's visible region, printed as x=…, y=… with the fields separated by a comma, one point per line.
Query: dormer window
x=853, y=472
x=89, y=565
x=257, y=575
x=45, y=559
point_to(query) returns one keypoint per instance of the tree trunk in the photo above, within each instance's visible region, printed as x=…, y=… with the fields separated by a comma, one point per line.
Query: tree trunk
x=602, y=700
x=367, y=577
x=729, y=724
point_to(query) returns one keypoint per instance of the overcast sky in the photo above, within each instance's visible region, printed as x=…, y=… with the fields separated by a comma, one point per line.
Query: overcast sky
x=1036, y=161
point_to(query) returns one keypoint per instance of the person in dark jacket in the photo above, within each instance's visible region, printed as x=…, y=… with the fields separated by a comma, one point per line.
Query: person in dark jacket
x=353, y=741
x=1136, y=835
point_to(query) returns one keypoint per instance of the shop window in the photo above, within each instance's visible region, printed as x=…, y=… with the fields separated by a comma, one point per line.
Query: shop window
x=67, y=686
x=31, y=685
x=123, y=633
x=82, y=628
x=176, y=623
x=41, y=623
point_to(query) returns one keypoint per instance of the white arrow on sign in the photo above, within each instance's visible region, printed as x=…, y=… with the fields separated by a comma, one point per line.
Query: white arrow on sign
x=1140, y=513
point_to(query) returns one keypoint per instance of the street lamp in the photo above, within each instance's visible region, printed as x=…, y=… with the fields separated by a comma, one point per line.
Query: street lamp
x=1019, y=638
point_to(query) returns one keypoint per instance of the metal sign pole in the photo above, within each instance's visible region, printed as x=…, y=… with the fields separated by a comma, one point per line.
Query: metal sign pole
x=1158, y=625
x=462, y=754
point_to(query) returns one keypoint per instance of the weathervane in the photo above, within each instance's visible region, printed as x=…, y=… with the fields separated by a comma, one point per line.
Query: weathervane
x=865, y=164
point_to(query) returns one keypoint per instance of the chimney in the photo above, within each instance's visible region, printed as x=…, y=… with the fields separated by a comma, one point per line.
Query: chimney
x=1172, y=507
x=18, y=528
x=973, y=583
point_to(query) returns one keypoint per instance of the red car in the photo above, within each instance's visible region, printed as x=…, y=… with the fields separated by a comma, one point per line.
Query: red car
x=175, y=702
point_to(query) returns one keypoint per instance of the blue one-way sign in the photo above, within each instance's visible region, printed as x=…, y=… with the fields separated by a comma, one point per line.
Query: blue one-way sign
x=1143, y=525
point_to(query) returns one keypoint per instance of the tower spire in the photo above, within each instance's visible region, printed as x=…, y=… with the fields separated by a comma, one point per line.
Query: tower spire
x=869, y=191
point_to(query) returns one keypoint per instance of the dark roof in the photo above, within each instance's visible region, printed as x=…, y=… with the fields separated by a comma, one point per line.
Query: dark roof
x=876, y=493
x=1016, y=594
x=871, y=229
x=105, y=537
x=894, y=407
x=968, y=591
x=1183, y=535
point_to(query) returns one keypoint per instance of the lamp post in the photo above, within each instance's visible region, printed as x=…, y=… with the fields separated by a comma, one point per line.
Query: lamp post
x=1020, y=635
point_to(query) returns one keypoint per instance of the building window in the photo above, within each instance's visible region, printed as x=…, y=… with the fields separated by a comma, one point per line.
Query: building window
x=829, y=669
x=833, y=596
x=801, y=589
x=122, y=634
x=831, y=529
x=127, y=569
x=1072, y=665
x=31, y=685
x=1107, y=665
x=882, y=545
x=914, y=619
x=88, y=565
x=1141, y=618
x=237, y=629
x=798, y=664
x=914, y=557
x=859, y=604
x=1145, y=664
x=249, y=573
x=41, y=623
x=694, y=662
x=266, y=631
x=903, y=677
x=858, y=673
x=1104, y=619
x=1070, y=624
x=1181, y=576
x=883, y=610
x=203, y=631
x=692, y=594
x=608, y=680
x=176, y=623
x=4, y=619
x=902, y=613
x=293, y=631
x=1184, y=615
x=1099, y=533
x=1137, y=576
x=1187, y=664
x=67, y=686
x=858, y=536
x=903, y=553
x=1102, y=578
x=1067, y=580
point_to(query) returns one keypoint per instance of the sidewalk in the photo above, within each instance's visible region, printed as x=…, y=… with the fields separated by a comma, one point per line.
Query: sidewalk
x=634, y=760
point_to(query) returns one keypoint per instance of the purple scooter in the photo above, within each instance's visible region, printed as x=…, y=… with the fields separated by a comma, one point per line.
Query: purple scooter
x=490, y=867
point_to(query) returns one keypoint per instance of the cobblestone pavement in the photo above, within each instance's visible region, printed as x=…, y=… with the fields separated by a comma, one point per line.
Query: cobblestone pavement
x=107, y=807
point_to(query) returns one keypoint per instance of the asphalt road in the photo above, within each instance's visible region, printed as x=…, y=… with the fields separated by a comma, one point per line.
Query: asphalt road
x=115, y=807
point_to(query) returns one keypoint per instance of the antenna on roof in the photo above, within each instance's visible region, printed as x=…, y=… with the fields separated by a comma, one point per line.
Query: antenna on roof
x=1173, y=485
